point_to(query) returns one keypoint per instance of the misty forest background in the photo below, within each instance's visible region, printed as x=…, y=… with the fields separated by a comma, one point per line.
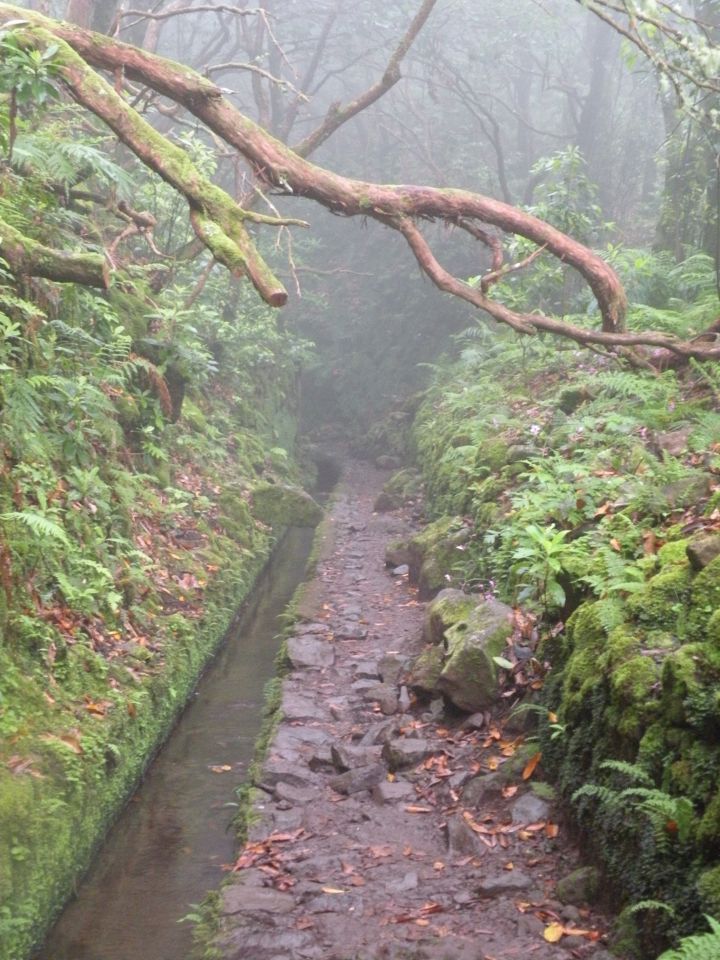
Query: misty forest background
x=150, y=402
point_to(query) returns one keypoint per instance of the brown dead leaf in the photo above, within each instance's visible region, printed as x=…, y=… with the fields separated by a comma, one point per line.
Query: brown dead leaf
x=509, y=792
x=333, y=890
x=414, y=808
x=552, y=830
x=220, y=768
x=531, y=765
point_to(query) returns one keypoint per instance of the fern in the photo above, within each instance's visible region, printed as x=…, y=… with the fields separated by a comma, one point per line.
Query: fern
x=701, y=946
x=631, y=771
x=41, y=526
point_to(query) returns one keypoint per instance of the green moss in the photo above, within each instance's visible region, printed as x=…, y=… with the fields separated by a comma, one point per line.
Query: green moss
x=708, y=888
x=282, y=505
x=587, y=640
x=705, y=599
x=673, y=553
x=662, y=603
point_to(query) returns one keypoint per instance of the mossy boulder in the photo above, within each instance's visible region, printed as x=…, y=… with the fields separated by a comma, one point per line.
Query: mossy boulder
x=397, y=553
x=283, y=505
x=579, y=887
x=469, y=674
x=426, y=669
x=704, y=599
x=402, y=487
x=433, y=553
x=703, y=549
x=661, y=604
x=447, y=609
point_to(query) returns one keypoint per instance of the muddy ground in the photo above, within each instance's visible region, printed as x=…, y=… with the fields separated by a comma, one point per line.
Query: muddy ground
x=385, y=827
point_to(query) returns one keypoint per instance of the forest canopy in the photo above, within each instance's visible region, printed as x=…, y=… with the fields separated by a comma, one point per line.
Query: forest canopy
x=73, y=59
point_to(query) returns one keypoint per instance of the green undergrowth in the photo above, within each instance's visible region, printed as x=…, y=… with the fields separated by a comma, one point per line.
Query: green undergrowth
x=588, y=493
x=136, y=425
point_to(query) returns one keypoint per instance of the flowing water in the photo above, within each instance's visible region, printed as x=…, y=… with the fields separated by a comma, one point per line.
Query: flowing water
x=169, y=845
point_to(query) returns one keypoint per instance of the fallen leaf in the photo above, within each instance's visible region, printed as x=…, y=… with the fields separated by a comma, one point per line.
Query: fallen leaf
x=531, y=765
x=220, y=768
x=413, y=808
x=554, y=932
x=509, y=792
x=552, y=830
x=333, y=890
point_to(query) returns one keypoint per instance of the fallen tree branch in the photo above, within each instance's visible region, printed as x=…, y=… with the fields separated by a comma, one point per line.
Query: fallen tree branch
x=30, y=258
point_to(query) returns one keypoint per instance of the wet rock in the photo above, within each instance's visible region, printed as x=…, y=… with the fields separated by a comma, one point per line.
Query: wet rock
x=367, y=670
x=355, y=781
x=402, y=753
x=510, y=881
x=425, y=670
x=294, y=706
x=384, y=502
x=407, y=882
x=291, y=739
x=702, y=549
x=391, y=666
x=392, y=792
x=469, y=674
x=530, y=809
x=385, y=696
x=350, y=631
x=403, y=699
x=351, y=610
x=348, y=757
x=517, y=452
x=240, y=898
x=579, y=887
x=674, y=442
x=401, y=571
x=482, y=788
x=571, y=914
x=306, y=652
x=573, y=943
x=530, y=926
x=461, y=840
x=396, y=554
x=284, y=505
x=296, y=796
x=449, y=607
x=476, y=721
x=278, y=770
x=379, y=733
x=433, y=552
x=322, y=760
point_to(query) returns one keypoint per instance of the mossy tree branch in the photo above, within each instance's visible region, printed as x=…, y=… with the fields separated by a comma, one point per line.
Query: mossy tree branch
x=220, y=223
x=30, y=258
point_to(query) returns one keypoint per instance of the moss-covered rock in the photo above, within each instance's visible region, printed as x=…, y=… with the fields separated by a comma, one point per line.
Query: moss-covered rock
x=283, y=505
x=448, y=608
x=433, y=553
x=704, y=600
x=662, y=603
x=426, y=668
x=469, y=674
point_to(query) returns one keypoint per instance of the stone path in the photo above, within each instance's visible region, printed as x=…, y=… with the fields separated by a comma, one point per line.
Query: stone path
x=382, y=830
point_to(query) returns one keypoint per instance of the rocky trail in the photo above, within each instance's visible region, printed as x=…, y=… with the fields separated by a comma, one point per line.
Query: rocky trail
x=386, y=827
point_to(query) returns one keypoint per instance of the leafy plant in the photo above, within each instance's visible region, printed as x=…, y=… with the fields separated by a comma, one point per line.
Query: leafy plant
x=700, y=946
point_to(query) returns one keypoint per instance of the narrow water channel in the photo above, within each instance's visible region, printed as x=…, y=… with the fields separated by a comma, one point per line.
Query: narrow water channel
x=169, y=846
